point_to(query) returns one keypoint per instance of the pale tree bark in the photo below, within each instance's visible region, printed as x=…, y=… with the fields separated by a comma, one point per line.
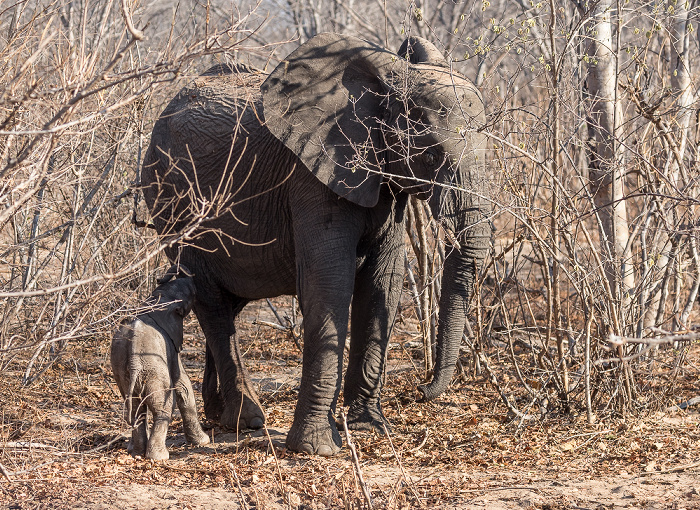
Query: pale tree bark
x=680, y=74
x=682, y=88
x=606, y=161
x=683, y=97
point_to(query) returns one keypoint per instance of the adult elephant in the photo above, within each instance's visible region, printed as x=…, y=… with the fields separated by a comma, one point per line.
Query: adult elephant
x=298, y=185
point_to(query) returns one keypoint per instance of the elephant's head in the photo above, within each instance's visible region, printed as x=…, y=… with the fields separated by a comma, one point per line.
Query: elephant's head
x=171, y=301
x=359, y=116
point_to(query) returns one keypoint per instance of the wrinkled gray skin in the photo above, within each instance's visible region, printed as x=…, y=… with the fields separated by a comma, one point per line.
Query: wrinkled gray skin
x=148, y=369
x=315, y=167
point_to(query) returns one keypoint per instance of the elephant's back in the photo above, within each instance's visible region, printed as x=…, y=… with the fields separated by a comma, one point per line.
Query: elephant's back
x=221, y=87
x=206, y=116
x=205, y=141
x=138, y=354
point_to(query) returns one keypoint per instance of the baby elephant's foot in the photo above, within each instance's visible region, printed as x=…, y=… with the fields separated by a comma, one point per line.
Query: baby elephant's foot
x=198, y=438
x=319, y=437
x=136, y=450
x=159, y=452
x=139, y=442
x=240, y=417
x=368, y=416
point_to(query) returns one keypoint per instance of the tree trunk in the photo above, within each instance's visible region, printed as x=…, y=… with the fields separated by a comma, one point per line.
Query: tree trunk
x=682, y=90
x=606, y=160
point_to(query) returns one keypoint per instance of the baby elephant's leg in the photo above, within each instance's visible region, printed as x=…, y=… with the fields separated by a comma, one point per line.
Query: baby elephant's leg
x=188, y=409
x=160, y=402
x=139, y=423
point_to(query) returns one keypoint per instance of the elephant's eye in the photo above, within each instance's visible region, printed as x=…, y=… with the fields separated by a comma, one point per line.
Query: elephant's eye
x=430, y=158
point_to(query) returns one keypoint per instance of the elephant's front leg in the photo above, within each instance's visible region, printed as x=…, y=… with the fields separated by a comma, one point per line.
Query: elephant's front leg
x=375, y=301
x=325, y=281
x=241, y=407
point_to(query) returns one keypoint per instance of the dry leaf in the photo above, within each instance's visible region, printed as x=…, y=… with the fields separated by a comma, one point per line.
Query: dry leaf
x=569, y=445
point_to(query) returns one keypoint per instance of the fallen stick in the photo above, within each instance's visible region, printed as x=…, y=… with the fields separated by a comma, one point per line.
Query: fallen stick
x=684, y=405
x=241, y=497
x=5, y=473
x=118, y=437
x=422, y=443
x=28, y=444
x=356, y=462
x=285, y=494
x=503, y=488
x=676, y=469
x=404, y=474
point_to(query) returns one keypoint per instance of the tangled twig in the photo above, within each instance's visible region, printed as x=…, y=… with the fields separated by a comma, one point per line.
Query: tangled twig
x=135, y=33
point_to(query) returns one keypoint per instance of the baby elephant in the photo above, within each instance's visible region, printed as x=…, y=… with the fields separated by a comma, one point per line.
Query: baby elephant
x=148, y=369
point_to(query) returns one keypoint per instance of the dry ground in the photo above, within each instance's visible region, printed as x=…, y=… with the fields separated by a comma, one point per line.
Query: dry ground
x=61, y=446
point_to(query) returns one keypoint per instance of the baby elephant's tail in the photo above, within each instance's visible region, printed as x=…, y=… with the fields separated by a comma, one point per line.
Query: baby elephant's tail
x=135, y=368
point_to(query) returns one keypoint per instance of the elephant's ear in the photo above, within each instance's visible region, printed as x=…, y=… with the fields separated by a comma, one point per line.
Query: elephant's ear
x=171, y=321
x=421, y=51
x=324, y=102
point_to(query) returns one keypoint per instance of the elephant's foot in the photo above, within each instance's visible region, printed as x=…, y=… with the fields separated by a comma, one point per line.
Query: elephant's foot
x=317, y=436
x=368, y=416
x=136, y=449
x=198, y=438
x=139, y=441
x=245, y=415
x=157, y=452
x=213, y=405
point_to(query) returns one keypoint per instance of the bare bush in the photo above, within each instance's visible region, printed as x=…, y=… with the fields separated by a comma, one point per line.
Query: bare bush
x=598, y=236
x=80, y=89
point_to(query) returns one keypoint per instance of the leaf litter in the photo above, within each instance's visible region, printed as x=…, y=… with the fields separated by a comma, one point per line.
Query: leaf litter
x=63, y=445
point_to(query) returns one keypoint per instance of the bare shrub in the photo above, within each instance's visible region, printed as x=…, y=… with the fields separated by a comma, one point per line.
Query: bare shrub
x=598, y=236
x=80, y=88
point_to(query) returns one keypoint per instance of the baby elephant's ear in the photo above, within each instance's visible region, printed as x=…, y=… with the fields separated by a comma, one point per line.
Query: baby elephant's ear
x=170, y=320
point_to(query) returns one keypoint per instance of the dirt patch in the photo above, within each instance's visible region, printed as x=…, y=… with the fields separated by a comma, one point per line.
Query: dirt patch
x=477, y=490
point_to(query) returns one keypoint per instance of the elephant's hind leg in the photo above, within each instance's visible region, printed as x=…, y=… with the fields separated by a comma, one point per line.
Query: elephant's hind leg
x=241, y=406
x=160, y=402
x=139, y=423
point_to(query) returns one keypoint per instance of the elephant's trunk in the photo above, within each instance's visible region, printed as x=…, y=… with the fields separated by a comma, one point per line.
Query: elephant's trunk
x=458, y=277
